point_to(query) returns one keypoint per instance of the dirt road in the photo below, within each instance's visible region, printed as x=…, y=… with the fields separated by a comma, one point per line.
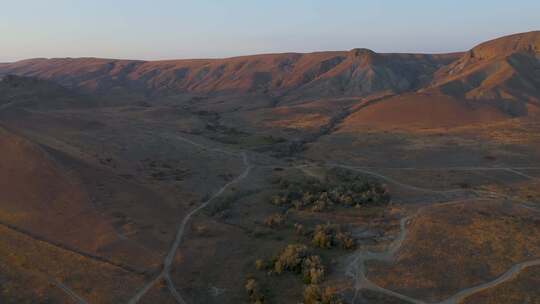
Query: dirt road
x=168, y=261
x=356, y=267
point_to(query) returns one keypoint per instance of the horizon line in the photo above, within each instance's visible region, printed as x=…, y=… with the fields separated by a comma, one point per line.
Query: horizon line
x=263, y=53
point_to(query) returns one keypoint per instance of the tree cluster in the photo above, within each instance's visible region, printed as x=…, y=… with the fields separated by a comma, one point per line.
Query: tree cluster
x=295, y=258
x=342, y=189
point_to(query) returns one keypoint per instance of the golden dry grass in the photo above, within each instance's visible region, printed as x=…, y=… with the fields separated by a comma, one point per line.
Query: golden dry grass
x=522, y=289
x=456, y=246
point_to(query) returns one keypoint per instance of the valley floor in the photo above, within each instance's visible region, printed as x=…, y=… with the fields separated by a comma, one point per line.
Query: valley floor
x=160, y=205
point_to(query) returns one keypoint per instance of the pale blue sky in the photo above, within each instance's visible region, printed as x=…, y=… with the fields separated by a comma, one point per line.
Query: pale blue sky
x=160, y=29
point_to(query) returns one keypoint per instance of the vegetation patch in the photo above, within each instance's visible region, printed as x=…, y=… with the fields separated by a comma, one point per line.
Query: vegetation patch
x=328, y=236
x=254, y=291
x=299, y=260
x=340, y=188
x=315, y=294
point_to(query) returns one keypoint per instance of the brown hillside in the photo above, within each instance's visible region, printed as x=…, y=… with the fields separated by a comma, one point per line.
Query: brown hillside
x=507, y=68
x=41, y=197
x=422, y=110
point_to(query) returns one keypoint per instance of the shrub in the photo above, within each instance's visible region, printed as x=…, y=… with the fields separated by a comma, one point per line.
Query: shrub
x=312, y=294
x=259, y=264
x=291, y=259
x=254, y=291
x=313, y=270
x=322, y=237
x=345, y=240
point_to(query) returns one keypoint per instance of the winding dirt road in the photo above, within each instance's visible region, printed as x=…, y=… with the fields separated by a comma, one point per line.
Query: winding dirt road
x=478, y=193
x=356, y=271
x=168, y=261
x=368, y=171
x=356, y=267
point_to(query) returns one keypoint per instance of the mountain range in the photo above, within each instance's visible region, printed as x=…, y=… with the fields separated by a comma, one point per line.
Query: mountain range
x=505, y=69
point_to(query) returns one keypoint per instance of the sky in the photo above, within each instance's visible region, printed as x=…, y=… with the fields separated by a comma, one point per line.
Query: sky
x=168, y=29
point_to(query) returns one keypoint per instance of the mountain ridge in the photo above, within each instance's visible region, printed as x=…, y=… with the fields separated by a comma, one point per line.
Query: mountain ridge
x=505, y=68
x=245, y=74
